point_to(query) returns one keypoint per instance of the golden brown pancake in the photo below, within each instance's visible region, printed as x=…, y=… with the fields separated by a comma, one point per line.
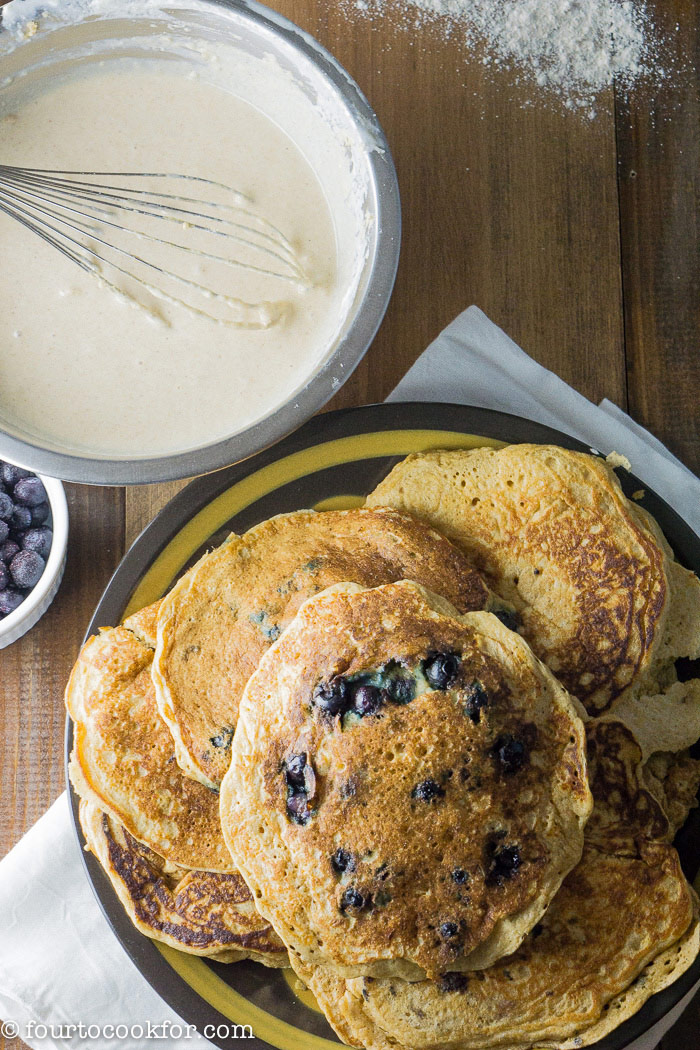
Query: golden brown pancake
x=623, y=925
x=407, y=787
x=597, y=592
x=204, y=913
x=123, y=757
x=583, y=971
x=224, y=613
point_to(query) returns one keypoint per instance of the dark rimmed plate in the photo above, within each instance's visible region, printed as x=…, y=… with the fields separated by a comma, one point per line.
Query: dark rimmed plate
x=332, y=461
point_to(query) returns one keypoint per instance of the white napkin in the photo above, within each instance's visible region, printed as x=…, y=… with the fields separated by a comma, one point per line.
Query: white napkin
x=59, y=961
x=473, y=362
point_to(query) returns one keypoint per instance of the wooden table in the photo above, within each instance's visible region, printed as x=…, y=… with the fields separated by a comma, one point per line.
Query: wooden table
x=579, y=237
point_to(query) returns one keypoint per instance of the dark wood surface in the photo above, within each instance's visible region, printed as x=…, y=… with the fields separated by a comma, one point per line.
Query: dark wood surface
x=579, y=237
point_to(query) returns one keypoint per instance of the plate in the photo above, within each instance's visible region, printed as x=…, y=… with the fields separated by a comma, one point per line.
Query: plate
x=332, y=462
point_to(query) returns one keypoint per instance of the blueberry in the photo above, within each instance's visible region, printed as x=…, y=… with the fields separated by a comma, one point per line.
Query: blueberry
x=298, y=809
x=332, y=697
x=460, y=876
x=21, y=519
x=448, y=930
x=38, y=540
x=510, y=753
x=222, y=739
x=353, y=900
x=9, y=600
x=475, y=698
x=367, y=700
x=453, y=982
x=428, y=790
x=508, y=617
x=7, y=507
x=3, y=577
x=26, y=568
x=12, y=474
x=8, y=550
x=40, y=513
x=295, y=772
x=29, y=491
x=401, y=690
x=441, y=669
x=4, y=531
x=504, y=863
x=342, y=861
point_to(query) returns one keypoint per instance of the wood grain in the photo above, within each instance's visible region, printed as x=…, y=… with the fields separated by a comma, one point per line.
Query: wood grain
x=578, y=236
x=659, y=156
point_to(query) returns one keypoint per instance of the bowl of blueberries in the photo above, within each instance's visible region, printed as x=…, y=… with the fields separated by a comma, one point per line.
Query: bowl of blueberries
x=33, y=540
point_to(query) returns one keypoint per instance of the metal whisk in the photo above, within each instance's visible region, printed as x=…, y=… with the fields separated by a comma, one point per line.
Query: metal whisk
x=144, y=239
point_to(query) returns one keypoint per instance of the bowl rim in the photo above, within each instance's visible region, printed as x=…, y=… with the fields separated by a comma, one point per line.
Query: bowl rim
x=369, y=310
x=54, y=563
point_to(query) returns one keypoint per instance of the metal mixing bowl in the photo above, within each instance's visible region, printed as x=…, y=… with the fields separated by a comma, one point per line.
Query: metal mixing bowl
x=260, y=32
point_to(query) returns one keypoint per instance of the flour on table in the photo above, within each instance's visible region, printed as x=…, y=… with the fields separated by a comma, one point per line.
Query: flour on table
x=574, y=48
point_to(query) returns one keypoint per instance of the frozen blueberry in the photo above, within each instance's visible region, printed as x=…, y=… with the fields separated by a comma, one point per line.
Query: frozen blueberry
x=441, y=669
x=38, y=540
x=298, y=809
x=29, y=491
x=295, y=772
x=8, y=549
x=40, y=513
x=453, y=982
x=427, y=791
x=4, y=531
x=342, y=861
x=26, y=568
x=21, y=519
x=353, y=900
x=448, y=930
x=3, y=577
x=460, y=876
x=508, y=617
x=332, y=697
x=475, y=699
x=510, y=753
x=9, y=600
x=366, y=700
x=11, y=474
x=7, y=507
x=504, y=862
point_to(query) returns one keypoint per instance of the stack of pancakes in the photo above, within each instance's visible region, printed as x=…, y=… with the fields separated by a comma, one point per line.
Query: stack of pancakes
x=431, y=753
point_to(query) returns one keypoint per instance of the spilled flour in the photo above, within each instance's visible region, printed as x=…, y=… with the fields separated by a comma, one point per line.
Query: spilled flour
x=572, y=48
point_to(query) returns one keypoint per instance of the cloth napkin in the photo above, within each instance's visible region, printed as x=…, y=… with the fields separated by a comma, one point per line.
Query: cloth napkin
x=60, y=964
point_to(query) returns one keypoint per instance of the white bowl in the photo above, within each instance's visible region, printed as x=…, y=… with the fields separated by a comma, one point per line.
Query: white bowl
x=40, y=597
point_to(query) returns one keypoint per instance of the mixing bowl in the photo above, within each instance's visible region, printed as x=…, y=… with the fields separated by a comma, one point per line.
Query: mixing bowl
x=327, y=118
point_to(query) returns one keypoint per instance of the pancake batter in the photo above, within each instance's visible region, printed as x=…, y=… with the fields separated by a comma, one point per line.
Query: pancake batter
x=131, y=375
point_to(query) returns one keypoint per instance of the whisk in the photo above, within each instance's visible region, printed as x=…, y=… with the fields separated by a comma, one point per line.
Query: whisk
x=149, y=242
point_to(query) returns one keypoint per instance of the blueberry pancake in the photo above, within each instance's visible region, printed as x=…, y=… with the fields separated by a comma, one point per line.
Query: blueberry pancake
x=204, y=913
x=595, y=588
x=230, y=607
x=123, y=757
x=623, y=926
x=407, y=787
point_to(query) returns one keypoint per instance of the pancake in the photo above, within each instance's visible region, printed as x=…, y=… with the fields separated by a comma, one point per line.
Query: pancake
x=632, y=795
x=623, y=926
x=205, y=913
x=407, y=786
x=597, y=592
x=123, y=759
x=224, y=613
x=585, y=970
